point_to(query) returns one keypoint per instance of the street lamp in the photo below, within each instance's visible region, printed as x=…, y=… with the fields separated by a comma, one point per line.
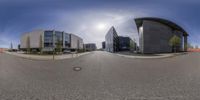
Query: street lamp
x=53, y=52
x=53, y=45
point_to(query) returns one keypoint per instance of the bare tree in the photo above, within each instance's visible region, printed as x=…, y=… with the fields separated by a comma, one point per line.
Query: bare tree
x=190, y=46
x=59, y=46
x=132, y=45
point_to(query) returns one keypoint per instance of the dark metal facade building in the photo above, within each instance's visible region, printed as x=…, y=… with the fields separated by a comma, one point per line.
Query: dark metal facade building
x=124, y=43
x=90, y=47
x=103, y=45
x=155, y=33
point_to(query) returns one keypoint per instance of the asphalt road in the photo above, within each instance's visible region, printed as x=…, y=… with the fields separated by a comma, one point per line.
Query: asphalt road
x=104, y=76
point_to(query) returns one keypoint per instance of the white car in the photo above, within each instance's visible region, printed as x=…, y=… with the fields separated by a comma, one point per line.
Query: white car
x=66, y=51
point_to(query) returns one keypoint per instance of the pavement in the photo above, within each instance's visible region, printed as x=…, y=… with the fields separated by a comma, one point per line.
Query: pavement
x=194, y=50
x=47, y=57
x=103, y=76
x=149, y=56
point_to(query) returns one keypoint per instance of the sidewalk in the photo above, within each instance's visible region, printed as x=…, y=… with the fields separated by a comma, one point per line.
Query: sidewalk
x=151, y=56
x=46, y=57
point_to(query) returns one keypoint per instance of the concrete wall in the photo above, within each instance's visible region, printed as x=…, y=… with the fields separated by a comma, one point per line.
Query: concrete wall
x=155, y=37
x=34, y=39
x=141, y=41
x=76, y=42
x=23, y=41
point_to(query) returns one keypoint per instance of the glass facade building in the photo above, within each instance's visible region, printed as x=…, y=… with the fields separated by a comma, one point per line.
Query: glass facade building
x=124, y=43
x=90, y=47
x=112, y=40
x=103, y=45
x=49, y=40
x=66, y=40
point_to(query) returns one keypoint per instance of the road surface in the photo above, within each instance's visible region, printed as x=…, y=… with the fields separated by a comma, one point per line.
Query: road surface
x=104, y=76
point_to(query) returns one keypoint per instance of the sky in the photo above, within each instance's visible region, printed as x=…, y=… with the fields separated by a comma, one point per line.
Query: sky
x=91, y=19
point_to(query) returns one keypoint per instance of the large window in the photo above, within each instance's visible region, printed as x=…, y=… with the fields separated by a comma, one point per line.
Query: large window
x=48, y=39
x=67, y=40
x=59, y=38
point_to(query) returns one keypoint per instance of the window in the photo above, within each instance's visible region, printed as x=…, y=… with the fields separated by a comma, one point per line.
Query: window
x=67, y=40
x=48, y=39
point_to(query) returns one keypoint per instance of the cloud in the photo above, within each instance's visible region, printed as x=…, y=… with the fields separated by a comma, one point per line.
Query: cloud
x=82, y=18
x=84, y=23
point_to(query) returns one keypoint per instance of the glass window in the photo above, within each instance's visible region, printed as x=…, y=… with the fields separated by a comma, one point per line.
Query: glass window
x=59, y=36
x=67, y=40
x=48, y=39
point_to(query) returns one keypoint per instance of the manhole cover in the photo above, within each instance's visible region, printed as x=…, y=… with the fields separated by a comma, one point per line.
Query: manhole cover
x=77, y=68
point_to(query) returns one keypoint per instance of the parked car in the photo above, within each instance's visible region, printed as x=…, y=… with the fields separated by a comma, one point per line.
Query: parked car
x=66, y=51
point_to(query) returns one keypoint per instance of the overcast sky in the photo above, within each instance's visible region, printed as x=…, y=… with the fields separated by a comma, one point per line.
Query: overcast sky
x=91, y=19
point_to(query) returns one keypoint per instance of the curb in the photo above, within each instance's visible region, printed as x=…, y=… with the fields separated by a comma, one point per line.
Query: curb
x=57, y=57
x=151, y=57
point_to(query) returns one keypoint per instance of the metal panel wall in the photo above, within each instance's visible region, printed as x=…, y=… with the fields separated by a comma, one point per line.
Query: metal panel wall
x=156, y=37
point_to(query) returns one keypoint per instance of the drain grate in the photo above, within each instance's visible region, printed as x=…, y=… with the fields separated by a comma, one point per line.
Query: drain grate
x=77, y=68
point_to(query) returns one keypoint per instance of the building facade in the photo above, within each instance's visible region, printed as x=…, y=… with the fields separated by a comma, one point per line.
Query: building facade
x=76, y=43
x=124, y=43
x=155, y=34
x=90, y=47
x=112, y=41
x=104, y=45
x=48, y=40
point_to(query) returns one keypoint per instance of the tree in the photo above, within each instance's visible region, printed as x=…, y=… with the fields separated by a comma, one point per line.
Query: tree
x=175, y=42
x=59, y=46
x=133, y=45
x=190, y=46
x=40, y=44
x=28, y=45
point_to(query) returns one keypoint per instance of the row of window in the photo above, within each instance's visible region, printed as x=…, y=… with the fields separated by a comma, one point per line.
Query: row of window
x=59, y=37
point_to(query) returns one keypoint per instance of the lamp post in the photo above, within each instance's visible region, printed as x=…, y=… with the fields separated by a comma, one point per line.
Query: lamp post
x=53, y=53
x=53, y=45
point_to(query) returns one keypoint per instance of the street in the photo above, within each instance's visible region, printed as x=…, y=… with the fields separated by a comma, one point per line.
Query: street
x=103, y=76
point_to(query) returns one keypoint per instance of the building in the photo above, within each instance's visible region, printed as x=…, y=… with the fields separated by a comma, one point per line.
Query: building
x=103, y=45
x=76, y=43
x=127, y=44
x=3, y=49
x=90, y=47
x=112, y=41
x=124, y=43
x=155, y=33
x=48, y=40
